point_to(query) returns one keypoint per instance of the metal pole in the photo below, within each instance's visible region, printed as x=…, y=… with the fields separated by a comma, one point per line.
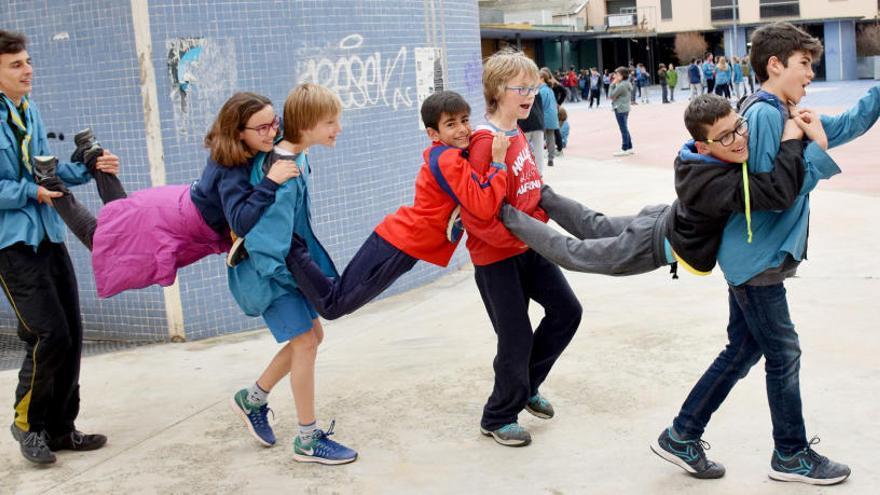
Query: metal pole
x=735, y=52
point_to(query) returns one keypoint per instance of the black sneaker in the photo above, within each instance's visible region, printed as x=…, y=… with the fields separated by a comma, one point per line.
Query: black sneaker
x=688, y=455
x=77, y=441
x=44, y=174
x=34, y=445
x=83, y=141
x=44, y=168
x=237, y=253
x=807, y=466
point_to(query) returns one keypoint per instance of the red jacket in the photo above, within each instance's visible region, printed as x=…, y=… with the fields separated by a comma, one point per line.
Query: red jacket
x=420, y=230
x=488, y=240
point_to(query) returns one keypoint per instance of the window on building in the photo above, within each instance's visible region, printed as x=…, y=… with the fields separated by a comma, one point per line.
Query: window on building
x=780, y=8
x=723, y=10
x=666, y=9
x=620, y=6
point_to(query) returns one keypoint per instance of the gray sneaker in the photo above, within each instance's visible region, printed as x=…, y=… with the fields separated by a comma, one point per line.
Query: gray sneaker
x=540, y=407
x=34, y=445
x=807, y=466
x=511, y=435
x=689, y=455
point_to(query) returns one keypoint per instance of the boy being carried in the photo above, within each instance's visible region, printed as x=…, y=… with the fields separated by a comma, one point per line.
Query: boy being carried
x=428, y=230
x=710, y=183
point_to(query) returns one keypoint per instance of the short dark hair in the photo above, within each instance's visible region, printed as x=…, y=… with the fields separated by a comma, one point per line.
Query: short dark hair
x=623, y=71
x=702, y=112
x=780, y=40
x=448, y=102
x=12, y=42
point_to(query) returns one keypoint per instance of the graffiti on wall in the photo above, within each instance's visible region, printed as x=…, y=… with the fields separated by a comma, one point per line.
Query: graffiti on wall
x=202, y=74
x=362, y=78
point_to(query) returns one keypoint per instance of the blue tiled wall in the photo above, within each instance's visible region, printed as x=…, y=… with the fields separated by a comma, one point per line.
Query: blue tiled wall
x=87, y=73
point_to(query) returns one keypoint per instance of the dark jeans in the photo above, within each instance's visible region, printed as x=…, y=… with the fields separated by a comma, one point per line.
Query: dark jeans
x=594, y=95
x=723, y=90
x=624, y=130
x=665, y=93
x=710, y=85
x=41, y=288
x=759, y=325
x=523, y=359
x=375, y=266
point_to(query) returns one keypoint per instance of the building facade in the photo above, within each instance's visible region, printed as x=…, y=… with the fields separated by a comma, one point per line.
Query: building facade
x=617, y=31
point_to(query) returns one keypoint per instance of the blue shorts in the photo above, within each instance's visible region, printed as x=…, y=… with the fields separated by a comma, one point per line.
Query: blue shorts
x=289, y=316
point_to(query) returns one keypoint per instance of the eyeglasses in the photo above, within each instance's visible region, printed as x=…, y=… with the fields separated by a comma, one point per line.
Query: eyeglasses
x=262, y=130
x=726, y=139
x=523, y=90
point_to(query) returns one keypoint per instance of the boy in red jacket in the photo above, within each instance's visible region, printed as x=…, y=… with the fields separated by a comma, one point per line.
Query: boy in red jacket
x=428, y=230
x=507, y=272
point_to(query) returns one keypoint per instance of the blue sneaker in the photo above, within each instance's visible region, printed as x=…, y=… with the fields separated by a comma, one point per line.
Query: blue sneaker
x=689, y=455
x=322, y=450
x=540, y=407
x=254, y=417
x=807, y=466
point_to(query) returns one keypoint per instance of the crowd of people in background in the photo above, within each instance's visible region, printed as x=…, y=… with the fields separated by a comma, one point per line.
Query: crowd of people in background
x=547, y=126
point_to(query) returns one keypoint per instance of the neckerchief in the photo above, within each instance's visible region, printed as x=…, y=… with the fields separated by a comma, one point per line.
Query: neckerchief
x=26, y=130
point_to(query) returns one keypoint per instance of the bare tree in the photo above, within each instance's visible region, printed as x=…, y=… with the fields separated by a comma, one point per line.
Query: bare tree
x=689, y=46
x=868, y=40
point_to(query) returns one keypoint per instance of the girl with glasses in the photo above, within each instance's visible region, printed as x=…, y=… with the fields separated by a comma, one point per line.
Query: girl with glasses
x=143, y=239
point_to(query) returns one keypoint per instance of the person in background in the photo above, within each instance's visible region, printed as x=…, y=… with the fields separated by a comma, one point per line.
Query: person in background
x=671, y=80
x=661, y=78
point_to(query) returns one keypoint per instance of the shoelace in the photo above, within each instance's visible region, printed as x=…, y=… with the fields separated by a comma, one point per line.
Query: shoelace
x=324, y=446
x=261, y=415
x=812, y=454
x=540, y=401
x=511, y=428
x=36, y=439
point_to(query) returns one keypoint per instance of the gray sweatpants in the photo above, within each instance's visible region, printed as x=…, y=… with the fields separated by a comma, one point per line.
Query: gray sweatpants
x=619, y=246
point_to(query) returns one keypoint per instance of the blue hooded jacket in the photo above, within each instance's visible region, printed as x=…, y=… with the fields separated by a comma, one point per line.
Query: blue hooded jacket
x=262, y=280
x=777, y=234
x=22, y=218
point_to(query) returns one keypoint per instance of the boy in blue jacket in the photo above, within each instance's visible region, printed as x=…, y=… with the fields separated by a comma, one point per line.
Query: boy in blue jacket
x=757, y=253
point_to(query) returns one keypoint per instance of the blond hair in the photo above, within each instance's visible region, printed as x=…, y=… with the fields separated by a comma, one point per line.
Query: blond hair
x=305, y=106
x=501, y=68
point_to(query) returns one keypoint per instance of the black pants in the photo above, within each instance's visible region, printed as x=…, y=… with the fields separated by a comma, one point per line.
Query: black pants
x=723, y=90
x=375, y=266
x=41, y=288
x=523, y=359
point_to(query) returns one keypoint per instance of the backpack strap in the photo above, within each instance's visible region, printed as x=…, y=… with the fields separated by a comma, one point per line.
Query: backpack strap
x=434, y=166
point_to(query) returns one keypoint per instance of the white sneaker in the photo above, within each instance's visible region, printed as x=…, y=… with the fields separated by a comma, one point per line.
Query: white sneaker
x=630, y=151
x=620, y=153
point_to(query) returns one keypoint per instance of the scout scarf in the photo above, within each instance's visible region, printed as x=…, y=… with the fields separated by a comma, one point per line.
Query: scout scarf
x=25, y=128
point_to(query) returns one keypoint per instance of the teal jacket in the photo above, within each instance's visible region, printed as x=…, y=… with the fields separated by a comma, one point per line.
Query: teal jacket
x=548, y=105
x=262, y=280
x=22, y=219
x=777, y=234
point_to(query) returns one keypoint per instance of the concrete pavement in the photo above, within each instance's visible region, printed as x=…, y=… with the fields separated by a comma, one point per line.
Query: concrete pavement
x=406, y=378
